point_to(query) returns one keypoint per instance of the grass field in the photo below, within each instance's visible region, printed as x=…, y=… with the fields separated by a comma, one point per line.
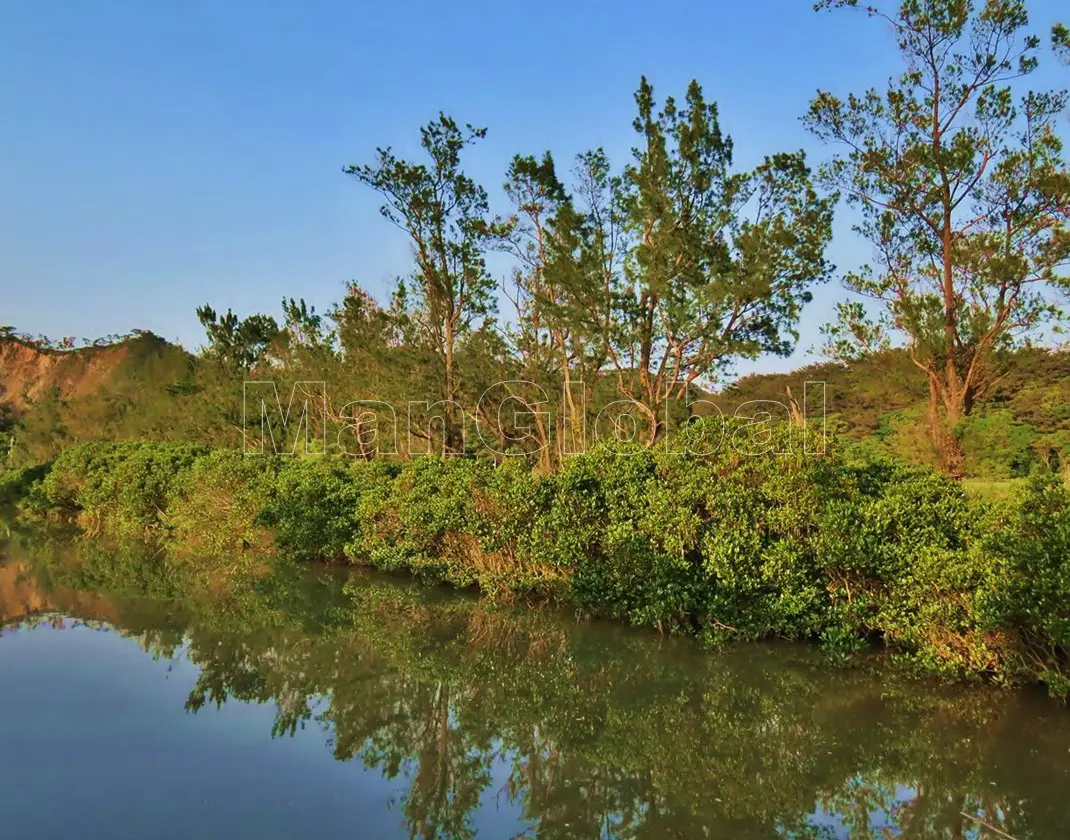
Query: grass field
x=983, y=488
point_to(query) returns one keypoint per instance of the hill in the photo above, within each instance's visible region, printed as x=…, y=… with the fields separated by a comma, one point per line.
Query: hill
x=30, y=371
x=56, y=396
x=881, y=402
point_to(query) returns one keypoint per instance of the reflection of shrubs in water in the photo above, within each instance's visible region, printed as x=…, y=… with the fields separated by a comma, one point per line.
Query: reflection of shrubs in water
x=840, y=547
x=597, y=726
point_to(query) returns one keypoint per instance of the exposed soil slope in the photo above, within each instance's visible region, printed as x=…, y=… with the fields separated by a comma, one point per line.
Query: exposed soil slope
x=29, y=372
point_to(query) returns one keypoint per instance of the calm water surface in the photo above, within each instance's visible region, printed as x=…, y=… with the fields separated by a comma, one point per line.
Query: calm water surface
x=140, y=698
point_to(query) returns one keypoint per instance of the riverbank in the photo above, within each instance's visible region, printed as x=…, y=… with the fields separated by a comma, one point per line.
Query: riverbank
x=835, y=548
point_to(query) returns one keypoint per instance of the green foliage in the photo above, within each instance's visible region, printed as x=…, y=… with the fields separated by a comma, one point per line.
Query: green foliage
x=1060, y=41
x=120, y=486
x=886, y=552
x=15, y=484
x=1054, y=451
x=718, y=262
x=237, y=344
x=314, y=504
x=750, y=539
x=995, y=446
x=446, y=215
x=1030, y=595
x=880, y=401
x=853, y=336
x=714, y=544
x=141, y=388
x=639, y=285
x=902, y=434
x=604, y=527
x=214, y=506
x=958, y=173
x=422, y=521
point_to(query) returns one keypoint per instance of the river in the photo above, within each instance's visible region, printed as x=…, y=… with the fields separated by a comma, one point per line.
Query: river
x=147, y=698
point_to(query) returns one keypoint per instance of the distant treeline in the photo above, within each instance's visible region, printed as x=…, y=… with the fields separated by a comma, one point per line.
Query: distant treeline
x=1022, y=421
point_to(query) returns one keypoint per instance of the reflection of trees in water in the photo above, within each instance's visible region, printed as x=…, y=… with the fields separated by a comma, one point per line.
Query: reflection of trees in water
x=605, y=732
x=446, y=761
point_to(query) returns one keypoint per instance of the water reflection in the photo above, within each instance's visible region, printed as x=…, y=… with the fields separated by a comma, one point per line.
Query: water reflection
x=585, y=729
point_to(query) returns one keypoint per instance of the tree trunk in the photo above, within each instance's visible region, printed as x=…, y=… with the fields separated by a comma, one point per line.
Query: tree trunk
x=940, y=425
x=542, y=435
x=450, y=430
x=572, y=424
x=654, y=428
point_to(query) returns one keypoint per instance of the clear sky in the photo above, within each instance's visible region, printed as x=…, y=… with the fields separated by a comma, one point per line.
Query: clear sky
x=157, y=156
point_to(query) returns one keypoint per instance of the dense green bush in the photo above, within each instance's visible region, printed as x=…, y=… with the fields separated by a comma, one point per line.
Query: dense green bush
x=214, y=506
x=606, y=526
x=1029, y=592
x=123, y=487
x=996, y=446
x=15, y=484
x=844, y=547
x=717, y=543
x=314, y=505
x=422, y=520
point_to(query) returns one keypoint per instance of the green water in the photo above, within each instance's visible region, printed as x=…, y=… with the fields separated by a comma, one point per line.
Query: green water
x=146, y=699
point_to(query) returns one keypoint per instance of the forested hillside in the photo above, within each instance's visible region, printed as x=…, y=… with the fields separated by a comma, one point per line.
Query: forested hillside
x=144, y=388
x=1023, y=419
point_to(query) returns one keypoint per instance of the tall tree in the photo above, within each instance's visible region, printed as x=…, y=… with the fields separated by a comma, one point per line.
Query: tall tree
x=446, y=217
x=719, y=263
x=377, y=371
x=237, y=344
x=536, y=338
x=584, y=272
x=962, y=191
x=568, y=250
x=369, y=343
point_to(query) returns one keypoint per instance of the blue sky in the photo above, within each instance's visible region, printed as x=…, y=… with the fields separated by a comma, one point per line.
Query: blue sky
x=155, y=156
